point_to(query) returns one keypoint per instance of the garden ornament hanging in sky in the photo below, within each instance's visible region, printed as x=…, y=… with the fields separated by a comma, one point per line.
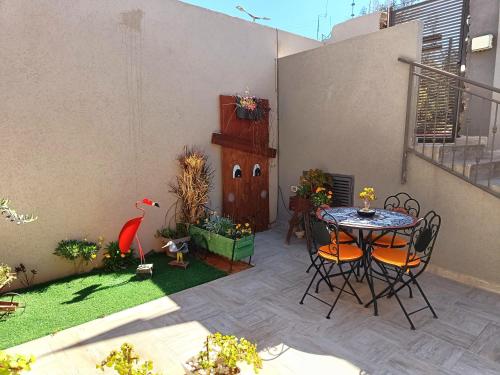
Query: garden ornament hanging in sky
x=179, y=252
x=129, y=232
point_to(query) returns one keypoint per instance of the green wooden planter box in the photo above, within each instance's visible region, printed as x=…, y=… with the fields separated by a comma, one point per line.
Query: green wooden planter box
x=215, y=243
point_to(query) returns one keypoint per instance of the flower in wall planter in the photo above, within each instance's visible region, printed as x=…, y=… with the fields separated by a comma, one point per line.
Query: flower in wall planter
x=249, y=108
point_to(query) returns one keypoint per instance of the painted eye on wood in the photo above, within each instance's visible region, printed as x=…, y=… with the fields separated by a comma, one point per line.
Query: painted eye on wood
x=256, y=170
x=236, y=171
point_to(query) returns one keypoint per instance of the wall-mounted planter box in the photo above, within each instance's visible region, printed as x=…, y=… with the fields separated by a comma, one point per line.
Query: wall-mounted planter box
x=227, y=247
x=245, y=114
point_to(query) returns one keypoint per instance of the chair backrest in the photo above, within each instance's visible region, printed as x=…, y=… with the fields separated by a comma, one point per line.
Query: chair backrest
x=343, y=190
x=403, y=202
x=424, y=237
x=329, y=231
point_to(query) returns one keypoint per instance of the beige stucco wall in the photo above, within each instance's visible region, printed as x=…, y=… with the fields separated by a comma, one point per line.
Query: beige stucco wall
x=345, y=113
x=369, y=23
x=97, y=99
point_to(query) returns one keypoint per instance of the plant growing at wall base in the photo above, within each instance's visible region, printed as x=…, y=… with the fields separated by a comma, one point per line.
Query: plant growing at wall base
x=126, y=362
x=114, y=260
x=193, y=184
x=14, y=364
x=80, y=252
x=24, y=276
x=221, y=355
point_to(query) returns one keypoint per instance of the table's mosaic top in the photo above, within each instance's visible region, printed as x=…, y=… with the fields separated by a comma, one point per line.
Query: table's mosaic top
x=383, y=219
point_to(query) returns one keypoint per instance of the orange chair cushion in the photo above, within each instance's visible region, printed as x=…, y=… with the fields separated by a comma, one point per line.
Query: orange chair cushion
x=348, y=253
x=386, y=240
x=343, y=237
x=395, y=257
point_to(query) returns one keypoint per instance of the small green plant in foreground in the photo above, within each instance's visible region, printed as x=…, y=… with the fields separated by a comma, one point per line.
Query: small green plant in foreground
x=14, y=364
x=126, y=362
x=222, y=354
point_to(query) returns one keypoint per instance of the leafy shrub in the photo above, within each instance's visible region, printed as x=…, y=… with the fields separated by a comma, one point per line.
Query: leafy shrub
x=5, y=274
x=114, y=260
x=80, y=252
x=74, y=249
x=222, y=354
x=14, y=364
x=126, y=362
x=193, y=183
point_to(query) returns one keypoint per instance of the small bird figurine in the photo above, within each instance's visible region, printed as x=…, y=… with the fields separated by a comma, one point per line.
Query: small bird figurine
x=172, y=247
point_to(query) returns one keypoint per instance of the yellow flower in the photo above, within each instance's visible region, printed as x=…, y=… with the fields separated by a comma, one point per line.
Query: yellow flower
x=318, y=189
x=93, y=256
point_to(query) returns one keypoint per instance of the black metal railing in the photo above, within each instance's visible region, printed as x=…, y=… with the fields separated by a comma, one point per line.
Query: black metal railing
x=474, y=152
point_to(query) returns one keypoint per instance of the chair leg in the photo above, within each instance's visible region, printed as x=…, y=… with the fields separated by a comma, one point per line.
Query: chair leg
x=346, y=278
x=309, y=286
x=325, y=278
x=338, y=296
x=312, y=264
x=423, y=295
x=391, y=285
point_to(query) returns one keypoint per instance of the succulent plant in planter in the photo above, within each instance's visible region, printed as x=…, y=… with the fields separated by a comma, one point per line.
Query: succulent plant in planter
x=224, y=354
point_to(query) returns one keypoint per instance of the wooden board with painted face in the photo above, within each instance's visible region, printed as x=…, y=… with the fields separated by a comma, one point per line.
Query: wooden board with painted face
x=245, y=166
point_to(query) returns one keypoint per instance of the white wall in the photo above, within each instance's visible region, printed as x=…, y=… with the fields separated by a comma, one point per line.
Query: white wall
x=343, y=108
x=99, y=97
x=369, y=23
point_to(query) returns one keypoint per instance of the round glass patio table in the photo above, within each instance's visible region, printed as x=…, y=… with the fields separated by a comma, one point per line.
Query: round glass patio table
x=382, y=220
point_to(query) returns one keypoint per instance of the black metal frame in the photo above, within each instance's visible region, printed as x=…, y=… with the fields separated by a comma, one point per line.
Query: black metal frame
x=325, y=266
x=404, y=202
x=423, y=239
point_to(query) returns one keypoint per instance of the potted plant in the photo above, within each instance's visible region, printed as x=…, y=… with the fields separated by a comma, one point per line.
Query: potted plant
x=178, y=235
x=221, y=236
x=224, y=354
x=192, y=185
x=126, y=362
x=249, y=107
x=368, y=196
x=15, y=364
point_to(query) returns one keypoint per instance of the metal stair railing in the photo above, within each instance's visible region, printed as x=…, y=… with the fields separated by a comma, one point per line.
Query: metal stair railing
x=468, y=146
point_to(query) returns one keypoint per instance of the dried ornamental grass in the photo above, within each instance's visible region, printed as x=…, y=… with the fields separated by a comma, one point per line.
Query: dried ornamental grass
x=193, y=184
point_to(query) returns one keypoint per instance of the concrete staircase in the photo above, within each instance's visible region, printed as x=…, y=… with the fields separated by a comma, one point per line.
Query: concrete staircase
x=469, y=157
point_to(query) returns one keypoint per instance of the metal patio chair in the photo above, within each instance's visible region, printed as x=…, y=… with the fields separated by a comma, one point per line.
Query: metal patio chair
x=326, y=256
x=402, y=266
x=404, y=203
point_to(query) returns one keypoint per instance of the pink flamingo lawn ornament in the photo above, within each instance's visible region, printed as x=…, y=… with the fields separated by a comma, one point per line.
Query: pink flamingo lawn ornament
x=129, y=232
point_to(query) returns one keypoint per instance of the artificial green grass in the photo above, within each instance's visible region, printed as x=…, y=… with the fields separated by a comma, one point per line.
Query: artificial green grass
x=74, y=300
